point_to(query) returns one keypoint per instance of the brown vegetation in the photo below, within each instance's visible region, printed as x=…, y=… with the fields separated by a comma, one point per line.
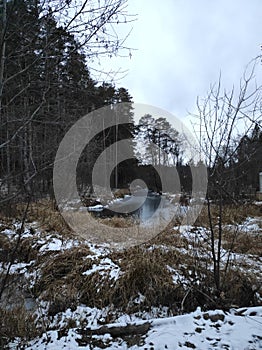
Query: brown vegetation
x=146, y=272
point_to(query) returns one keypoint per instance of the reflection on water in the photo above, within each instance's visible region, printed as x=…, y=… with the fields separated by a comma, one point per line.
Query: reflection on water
x=126, y=207
x=148, y=208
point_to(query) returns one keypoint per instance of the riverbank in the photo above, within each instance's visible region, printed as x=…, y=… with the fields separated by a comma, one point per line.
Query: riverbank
x=60, y=285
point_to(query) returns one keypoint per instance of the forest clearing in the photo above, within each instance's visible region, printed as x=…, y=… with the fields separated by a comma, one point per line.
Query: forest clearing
x=63, y=291
x=123, y=226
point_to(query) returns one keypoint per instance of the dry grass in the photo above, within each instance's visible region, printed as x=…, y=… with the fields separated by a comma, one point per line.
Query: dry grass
x=50, y=219
x=5, y=248
x=26, y=251
x=145, y=273
x=121, y=233
x=118, y=222
x=169, y=237
x=233, y=238
x=60, y=278
x=242, y=242
x=231, y=214
x=15, y=323
x=143, y=268
x=42, y=211
x=62, y=265
x=239, y=289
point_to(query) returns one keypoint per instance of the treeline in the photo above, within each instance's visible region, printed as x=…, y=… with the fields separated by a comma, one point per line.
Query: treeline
x=232, y=174
x=46, y=87
x=238, y=176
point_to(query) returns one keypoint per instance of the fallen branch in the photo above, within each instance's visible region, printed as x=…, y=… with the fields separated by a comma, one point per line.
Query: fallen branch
x=117, y=331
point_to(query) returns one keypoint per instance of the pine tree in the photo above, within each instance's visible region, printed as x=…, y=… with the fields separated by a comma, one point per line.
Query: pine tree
x=47, y=87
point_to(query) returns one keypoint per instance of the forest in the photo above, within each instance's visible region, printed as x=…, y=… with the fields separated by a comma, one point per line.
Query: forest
x=54, y=281
x=46, y=86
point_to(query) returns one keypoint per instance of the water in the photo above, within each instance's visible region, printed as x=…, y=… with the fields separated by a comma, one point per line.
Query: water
x=125, y=208
x=149, y=207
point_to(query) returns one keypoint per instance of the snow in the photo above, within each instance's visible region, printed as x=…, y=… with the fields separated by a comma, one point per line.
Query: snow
x=139, y=299
x=55, y=244
x=98, y=207
x=198, y=238
x=176, y=276
x=193, y=233
x=238, y=329
x=98, y=251
x=250, y=225
x=19, y=268
x=194, y=331
x=103, y=266
x=197, y=330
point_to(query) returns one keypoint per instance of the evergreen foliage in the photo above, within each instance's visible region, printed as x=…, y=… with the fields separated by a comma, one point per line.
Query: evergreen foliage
x=46, y=88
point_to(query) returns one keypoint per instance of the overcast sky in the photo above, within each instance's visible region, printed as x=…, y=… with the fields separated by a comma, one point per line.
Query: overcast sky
x=183, y=45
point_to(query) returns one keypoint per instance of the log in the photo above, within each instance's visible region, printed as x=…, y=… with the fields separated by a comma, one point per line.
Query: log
x=117, y=331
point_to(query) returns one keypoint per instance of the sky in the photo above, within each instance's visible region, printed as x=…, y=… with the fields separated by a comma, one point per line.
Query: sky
x=182, y=46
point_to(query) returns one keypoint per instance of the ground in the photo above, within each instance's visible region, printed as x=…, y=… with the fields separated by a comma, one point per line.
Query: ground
x=65, y=292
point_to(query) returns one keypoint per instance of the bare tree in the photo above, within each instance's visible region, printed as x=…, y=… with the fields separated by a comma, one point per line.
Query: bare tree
x=221, y=117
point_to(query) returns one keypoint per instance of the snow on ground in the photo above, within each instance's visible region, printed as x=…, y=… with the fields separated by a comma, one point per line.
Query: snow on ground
x=98, y=207
x=250, y=226
x=193, y=233
x=199, y=236
x=56, y=244
x=239, y=329
x=103, y=267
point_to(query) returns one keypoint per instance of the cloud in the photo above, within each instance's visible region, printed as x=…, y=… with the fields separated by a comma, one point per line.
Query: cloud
x=183, y=45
